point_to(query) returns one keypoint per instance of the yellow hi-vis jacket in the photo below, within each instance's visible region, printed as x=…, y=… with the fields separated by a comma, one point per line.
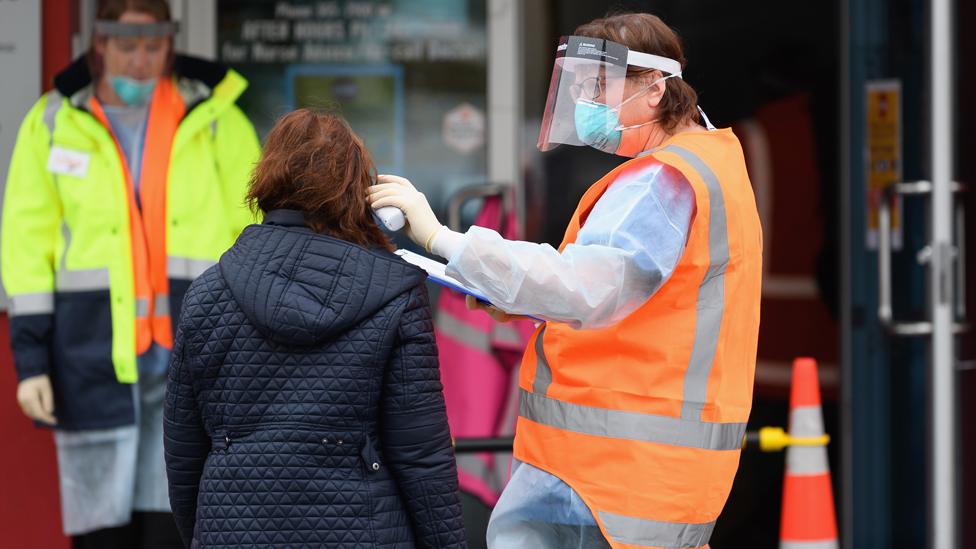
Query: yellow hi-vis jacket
x=70, y=257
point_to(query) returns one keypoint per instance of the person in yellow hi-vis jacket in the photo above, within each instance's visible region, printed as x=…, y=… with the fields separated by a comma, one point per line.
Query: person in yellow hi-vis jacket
x=127, y=181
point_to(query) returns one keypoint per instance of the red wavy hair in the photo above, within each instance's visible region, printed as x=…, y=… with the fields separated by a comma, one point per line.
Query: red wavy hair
x=313, y=162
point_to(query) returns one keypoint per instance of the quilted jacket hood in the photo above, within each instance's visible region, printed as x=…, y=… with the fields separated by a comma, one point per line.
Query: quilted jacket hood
x=302, y=288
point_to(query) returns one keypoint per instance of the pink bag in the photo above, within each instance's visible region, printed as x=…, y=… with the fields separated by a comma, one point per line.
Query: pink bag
x=478, y=359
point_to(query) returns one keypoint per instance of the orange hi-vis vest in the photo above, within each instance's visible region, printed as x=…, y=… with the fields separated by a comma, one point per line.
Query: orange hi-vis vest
x=147, y=225
x=644, y=419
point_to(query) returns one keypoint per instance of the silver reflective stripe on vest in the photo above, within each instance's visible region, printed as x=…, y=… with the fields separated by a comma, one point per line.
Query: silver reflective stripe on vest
x=142, y=307
x=506, y=334
x=81, y=281
x=603, y=422
x=462, y=332
x=543, y=373
x=499, y=474
x=31, y=304
x=476, y=467
x=161, y=305
x=828, y=544
x=185, y=268
x=51, y=108
x=654, y=533
x=711, y=293
x=66, y=236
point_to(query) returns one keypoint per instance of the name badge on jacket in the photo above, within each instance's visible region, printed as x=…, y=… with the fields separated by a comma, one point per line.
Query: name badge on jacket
x=68, y=162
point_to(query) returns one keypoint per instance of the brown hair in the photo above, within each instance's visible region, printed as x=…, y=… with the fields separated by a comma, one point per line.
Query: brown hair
x=314, y=163
x=112, y=10
x=646, y=33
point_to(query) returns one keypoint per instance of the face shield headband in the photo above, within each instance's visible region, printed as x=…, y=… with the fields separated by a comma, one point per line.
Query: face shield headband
x=587, y=90
x=136, y=30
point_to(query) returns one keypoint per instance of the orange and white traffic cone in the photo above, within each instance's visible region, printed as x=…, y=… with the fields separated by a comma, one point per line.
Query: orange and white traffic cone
x=809, y=520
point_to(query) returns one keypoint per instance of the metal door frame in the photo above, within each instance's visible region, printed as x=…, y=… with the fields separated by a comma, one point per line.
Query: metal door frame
x=866, y=428
x=943, y=521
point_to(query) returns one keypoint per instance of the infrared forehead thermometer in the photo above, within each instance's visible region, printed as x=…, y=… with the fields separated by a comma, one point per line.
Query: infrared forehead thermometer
x=391, y=217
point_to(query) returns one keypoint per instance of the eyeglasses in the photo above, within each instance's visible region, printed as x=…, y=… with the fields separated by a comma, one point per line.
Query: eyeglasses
x=588, y=88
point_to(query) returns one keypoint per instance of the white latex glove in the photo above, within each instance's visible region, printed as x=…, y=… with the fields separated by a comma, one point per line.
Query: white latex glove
x=392, y=190
x=36, y=399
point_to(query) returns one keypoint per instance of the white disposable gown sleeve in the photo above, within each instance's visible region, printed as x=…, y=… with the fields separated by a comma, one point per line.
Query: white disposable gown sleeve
x=626, y=250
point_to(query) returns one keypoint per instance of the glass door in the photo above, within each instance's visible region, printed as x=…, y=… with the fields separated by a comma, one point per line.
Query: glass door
x=904, y=276
x=965, y=208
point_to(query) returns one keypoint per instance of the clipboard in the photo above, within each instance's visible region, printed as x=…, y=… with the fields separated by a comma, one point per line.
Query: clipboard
x=437, y=272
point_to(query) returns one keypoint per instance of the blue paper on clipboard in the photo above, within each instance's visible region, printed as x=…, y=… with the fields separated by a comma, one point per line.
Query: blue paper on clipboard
x=437, y=272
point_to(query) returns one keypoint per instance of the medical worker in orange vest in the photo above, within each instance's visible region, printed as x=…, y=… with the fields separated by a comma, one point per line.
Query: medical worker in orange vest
x=636, y=389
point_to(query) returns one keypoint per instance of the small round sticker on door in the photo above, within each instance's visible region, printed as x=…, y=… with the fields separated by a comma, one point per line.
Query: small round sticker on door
x=464, y=128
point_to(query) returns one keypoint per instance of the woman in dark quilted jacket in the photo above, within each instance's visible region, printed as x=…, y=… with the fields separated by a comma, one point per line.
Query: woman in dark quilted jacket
x=304, y=404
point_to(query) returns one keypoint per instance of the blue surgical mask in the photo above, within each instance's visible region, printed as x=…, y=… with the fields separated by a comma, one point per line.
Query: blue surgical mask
x=132, y=92
x=596, y=125
x=599, y=126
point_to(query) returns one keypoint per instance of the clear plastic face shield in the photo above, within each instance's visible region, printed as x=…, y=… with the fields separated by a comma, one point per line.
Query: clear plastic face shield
x=587, y=91
x=117, y=29
x=137, y=57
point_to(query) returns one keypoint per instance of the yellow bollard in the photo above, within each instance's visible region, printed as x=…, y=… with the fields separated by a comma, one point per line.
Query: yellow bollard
x=775, y=439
